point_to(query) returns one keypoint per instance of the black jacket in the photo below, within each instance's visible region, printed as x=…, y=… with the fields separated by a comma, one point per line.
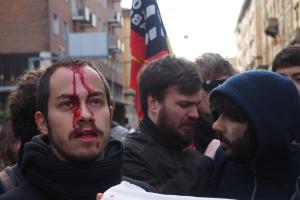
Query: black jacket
x=271, y=103
x=204, y=134
x=168, y=168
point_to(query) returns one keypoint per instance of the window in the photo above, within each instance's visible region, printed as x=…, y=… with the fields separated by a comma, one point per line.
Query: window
x=55, y=24
x=66, y=30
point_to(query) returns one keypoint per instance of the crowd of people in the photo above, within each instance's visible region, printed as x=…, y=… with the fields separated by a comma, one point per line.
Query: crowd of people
x=207, y=131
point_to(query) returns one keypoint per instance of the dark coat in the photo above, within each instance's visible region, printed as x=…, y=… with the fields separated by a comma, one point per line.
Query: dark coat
x=271, y=103
x=25, y=191
x=170, y=170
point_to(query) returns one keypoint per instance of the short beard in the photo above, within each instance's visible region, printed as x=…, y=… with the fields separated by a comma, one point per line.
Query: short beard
x=171, y=134
x=70, y=158
x=244, y=149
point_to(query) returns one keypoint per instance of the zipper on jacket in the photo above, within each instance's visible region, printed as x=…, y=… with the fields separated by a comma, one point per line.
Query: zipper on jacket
x=255, y=184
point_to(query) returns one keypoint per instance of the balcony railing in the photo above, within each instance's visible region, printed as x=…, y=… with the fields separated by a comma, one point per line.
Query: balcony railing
x=115, y=19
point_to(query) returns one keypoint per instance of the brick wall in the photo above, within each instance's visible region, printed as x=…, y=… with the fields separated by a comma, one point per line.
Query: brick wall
x=24, y=26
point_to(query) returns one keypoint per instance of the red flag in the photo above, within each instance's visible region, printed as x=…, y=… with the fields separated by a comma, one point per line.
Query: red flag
x=148, y=39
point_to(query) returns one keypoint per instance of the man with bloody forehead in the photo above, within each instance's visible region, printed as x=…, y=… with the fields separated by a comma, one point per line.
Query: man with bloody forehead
x=73, y=158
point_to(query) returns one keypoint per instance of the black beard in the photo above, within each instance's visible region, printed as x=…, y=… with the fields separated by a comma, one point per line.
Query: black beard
x=171, y=134
x=243, y=149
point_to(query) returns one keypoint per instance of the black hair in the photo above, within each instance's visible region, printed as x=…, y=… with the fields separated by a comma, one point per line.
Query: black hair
x=221, y=104
x=287, y=57
x=8, y=143
x=156, y=77
x=21, y=105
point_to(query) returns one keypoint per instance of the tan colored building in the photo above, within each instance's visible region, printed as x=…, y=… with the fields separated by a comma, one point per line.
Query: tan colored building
x=277, y=26
x=248, y=34
x=127, y=50
x=281, y=25
x=35, y=33
x=129, y=93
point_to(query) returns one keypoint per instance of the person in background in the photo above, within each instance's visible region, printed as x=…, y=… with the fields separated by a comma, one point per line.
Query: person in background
x=214, y=70
x=158, y=154
x=21, y=104
x=117, y=131
x=287, y=63
x=256, y=114
x=9, y=145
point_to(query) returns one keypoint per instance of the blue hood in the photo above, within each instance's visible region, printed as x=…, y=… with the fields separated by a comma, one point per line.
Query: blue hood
x=271, y=102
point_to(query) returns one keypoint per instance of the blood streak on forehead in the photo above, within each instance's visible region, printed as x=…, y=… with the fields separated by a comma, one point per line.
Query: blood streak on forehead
x=76, y=111
x=78, y=70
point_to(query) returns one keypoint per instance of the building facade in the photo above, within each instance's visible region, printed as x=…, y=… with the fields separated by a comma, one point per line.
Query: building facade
x=129, y=93
x=36, y=33
x=248, y=35
x=277, y=25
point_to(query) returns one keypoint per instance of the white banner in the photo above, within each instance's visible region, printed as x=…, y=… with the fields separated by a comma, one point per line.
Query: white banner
x=128, y=191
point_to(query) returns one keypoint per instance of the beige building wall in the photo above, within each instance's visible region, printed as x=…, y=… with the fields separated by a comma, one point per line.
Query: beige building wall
x=129, y=94
x=249, y=36
x=286, y=13
x=127, y=50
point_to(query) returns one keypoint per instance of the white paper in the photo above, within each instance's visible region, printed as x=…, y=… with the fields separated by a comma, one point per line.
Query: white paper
x=128, y=191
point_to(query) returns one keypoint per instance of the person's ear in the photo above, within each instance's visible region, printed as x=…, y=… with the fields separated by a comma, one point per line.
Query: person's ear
x=41, y=123
x=153, y=105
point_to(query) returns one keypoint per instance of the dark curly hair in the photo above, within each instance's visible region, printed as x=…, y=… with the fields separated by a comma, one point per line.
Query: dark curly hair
x=21, y=105
x=9, y=145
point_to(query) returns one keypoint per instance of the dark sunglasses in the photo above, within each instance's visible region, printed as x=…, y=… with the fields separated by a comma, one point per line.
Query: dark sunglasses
x=209, y=85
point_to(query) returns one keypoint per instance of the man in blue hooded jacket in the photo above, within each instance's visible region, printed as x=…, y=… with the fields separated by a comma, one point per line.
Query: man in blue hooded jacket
x=257, y=115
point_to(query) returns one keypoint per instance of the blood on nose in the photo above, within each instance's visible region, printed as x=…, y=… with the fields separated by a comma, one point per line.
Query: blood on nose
x=76, y=116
